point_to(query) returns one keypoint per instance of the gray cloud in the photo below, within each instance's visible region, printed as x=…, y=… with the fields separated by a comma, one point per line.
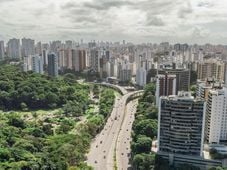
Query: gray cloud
x=185, y=11
x=155, y=21
x=205, y=4
x=105, y=5
x=135, y=20
x=4, y=1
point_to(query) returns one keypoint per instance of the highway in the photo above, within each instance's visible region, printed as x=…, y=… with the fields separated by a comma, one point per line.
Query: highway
x=123, y=151
x=101, y=154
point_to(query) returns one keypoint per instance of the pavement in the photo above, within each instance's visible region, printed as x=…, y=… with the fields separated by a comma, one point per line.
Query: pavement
x=115, y=133
x=123, y=150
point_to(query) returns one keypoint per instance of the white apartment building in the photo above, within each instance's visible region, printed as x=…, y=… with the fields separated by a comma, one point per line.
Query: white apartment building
x=216, y=116
x=37, y=64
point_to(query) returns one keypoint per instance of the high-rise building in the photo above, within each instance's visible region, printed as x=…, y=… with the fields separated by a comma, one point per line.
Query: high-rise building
x=95, y=60
x=75, y=60
x=225, y=74
x=82, y=60
x=38, y=48
x=124, y=73
x=13, y=48
x=216, y=116
x=78, y=60
x=28, y=47
x=45, y=56
x=211, y=68
x=2, y=50
x=182, y=77
x=62, y=60
x=55, y=46
x=52, y=65
x=203, y=87
x=68, y=44
x=37, y=64
x=141, y=77
x=68, y=56
x=181, y=125
x=165, y=86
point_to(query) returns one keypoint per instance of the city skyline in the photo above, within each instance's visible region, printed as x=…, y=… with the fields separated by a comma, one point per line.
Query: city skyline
x=191, y=21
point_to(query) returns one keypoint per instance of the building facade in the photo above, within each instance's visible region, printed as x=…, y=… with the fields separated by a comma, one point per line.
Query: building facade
x=37, y=64
x=2, y=50
x=216, y=116
x=211, y=69
x=181, y=124
x=13, y=49
x=52, y=65
x=165, y=86
x=28, y=47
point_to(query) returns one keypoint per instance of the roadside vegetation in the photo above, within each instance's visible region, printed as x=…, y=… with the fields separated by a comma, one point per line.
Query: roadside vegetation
x=48, y=123
x=144, y=130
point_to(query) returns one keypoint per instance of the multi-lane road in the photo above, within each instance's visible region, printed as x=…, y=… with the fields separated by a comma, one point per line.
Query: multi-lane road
x=123, y=151
x=115, y=135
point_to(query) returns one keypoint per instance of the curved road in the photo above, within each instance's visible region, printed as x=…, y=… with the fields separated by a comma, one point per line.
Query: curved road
x=101, y=155
x=123, y=150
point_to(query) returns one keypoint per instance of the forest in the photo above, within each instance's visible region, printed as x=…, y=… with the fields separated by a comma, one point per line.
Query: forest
x=48, y=123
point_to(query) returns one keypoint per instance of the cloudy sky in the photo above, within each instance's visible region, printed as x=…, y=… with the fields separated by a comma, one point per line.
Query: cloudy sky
x=191, y=21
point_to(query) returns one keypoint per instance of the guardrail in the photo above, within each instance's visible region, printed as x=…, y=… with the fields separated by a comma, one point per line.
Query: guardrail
x=134, y=95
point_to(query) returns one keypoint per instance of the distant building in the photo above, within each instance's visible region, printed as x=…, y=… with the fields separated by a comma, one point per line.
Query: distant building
x=13, y=48
x=95, y=60
x=38, y=48
x=165, y=86
x=68, y=56
x=78, y=60
x=55, y=46
x=182, y=77
x=37, y=64
x=125, y=75
x=181, y=125
x=28, y=47
x=45, y=56
x=141, y=77
x=68, y=44
x=52, y=65
x=203, y=87
x=2, y=50
x=211, y=68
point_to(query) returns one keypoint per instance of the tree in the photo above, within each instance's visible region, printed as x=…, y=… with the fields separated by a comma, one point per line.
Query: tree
x=143, y=161
x=14, y=120
x=142, y=145
x=147, y=127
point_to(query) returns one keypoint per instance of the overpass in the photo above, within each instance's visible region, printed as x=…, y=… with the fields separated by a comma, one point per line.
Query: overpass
x=120, y=89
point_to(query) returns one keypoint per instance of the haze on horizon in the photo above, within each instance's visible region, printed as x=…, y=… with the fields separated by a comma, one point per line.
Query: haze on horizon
x=191, y=21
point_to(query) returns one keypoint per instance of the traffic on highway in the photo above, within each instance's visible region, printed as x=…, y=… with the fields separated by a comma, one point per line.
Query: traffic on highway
x=114, y=140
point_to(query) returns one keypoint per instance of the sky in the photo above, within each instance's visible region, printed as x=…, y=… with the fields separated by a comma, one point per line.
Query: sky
x=137, y=21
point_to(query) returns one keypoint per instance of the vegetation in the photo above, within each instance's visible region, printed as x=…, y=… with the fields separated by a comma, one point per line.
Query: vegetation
x=106, y=102
x=51, y=139
x=144, y=130
x=28, y=90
